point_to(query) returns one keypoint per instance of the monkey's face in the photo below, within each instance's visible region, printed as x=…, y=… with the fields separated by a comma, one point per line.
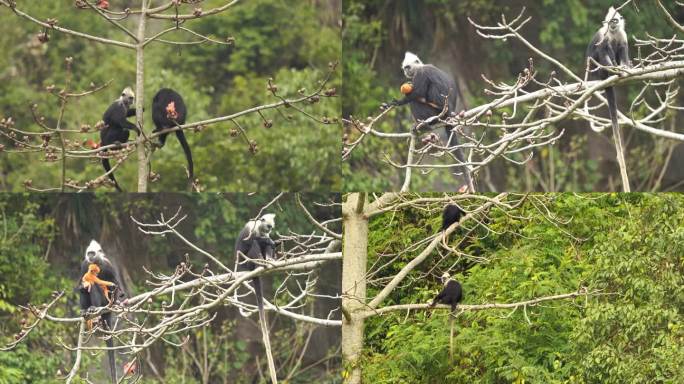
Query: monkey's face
x=266, y=223
x=614, y=20
x=616, y=24
x=94, y=252
x=445, y=278
x=410, y=69
x=127, y=97
x=410, y=65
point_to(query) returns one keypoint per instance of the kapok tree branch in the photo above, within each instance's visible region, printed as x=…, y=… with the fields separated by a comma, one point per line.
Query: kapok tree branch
x=399, y=277
x=67, y=31
x=480, y=307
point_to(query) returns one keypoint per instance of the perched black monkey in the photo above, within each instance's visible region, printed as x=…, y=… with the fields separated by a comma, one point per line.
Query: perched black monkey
x=168, y=111
x=255, y=236
x=452, y=213
x=116, y=127
x=451, y=294
x=610, y=48
x=430, y=88
x=94, y=295
x=254, y=242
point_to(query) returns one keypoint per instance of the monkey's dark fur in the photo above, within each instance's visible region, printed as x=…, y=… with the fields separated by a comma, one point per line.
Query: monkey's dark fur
x=452, y=213
x=161, y=120
x=116, y=126
x=451, y=294
x=254, y=242
x=431, y=87
x=609, y=47
x=255, y=248
x=95, y=298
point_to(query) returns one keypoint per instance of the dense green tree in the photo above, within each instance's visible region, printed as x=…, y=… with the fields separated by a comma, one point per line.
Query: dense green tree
x=628, y=248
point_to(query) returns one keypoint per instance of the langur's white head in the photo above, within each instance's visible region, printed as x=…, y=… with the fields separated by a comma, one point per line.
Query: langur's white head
x=127, y=97
x=94, y=251
x=614, y=22
x=266, y=224
x=445, y=277
x=410, y=64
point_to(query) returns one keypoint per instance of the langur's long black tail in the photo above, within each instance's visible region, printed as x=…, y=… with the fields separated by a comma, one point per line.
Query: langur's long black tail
x=256, y=282
x=107, y=167
x=188, y=155
x=619, y=145
x=107, y=320
x=612, y=108
x=453, y=141
x=451, y=336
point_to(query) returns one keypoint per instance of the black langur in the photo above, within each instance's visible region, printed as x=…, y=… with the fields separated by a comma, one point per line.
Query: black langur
x=255, y=236
x=452, y=213
x=254, y=242
x=99, y=290
x=429, y=89
x=451, y=294
x=168, y=111
x=116, y=126
x=610, y=48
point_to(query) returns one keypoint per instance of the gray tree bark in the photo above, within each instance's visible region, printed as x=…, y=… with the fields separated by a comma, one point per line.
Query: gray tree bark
x=143, y=161
x=354, y=258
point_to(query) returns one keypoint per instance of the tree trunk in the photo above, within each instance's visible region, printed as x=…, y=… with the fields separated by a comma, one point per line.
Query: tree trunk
x=355, y=253
x=143, y=162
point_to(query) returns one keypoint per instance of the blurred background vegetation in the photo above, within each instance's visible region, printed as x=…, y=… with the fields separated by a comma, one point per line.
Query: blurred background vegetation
x=628, y=246
x=376, y=33
x=42, y=242
x=292, y=42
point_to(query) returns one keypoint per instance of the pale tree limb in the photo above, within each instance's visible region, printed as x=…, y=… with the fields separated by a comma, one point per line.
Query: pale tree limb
x=399, y=277
x=79, y=345
x=67, y=31
x=480, y=307
x=143, y=160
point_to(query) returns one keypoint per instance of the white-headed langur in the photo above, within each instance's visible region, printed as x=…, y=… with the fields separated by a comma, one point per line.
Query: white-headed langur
x=609, y=48
x=254, y=242
x=99, y=287
x=116, y=126
x=426, y=93
x=168, y=111
x=451, y=294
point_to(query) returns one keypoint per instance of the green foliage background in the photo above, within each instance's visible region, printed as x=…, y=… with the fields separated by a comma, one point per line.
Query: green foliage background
x=292, y=42
x=376, y=34
x=42, y=240
x=630, y=247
